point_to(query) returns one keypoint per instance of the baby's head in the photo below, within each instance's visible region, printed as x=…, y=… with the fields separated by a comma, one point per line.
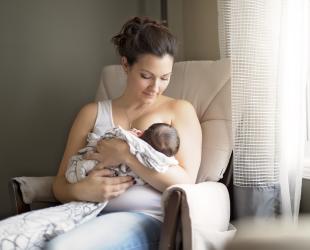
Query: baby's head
x=162, y=137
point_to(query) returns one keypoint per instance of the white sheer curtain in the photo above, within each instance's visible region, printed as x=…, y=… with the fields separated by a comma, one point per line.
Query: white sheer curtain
x=268, y=42
x=293, y=76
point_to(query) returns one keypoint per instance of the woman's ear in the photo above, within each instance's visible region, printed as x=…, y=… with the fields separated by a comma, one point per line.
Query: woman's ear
x=125, y=64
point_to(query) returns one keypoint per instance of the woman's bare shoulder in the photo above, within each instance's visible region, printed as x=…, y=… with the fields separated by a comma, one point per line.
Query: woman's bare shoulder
x=88, y=113
x=178, y=105
x=90, y=108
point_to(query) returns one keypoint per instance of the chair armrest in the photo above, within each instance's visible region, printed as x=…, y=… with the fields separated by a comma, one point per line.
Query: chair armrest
x=205, y=214
x=18, y=205
x=25, y=192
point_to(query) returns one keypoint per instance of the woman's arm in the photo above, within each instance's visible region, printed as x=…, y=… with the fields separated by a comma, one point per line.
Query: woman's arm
x=189, y=156
x=98, y=185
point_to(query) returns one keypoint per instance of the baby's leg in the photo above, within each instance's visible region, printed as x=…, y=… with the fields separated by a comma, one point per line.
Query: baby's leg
x=78, y=168
x=84, y=167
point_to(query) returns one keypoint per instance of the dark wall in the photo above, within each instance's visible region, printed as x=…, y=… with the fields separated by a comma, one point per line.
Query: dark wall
x=51, y=55
x=305, y=194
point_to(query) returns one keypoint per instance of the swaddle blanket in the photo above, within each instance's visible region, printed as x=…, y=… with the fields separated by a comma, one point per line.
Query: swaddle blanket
x=33, y=229
x=79, y=167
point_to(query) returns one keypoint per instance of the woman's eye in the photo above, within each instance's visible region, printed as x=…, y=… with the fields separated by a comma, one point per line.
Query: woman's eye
x=165, y=79
x=145, y=76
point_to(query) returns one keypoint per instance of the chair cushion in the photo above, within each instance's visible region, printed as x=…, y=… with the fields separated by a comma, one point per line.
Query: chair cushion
x=199, y=82
x=216, y=150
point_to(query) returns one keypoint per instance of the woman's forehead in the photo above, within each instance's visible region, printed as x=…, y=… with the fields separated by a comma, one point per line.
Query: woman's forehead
x=154, y=64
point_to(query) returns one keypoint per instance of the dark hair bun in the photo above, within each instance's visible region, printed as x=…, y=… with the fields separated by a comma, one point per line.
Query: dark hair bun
x=141, y=35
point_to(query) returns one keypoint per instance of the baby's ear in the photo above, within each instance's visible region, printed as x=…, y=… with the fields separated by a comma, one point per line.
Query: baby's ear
x=139, y=133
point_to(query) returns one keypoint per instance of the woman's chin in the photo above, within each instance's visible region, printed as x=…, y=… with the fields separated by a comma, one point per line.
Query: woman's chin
x=148, y=102
x=149, y=99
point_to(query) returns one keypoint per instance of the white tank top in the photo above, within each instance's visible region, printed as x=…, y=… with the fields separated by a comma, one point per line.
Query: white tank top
x=144, y=199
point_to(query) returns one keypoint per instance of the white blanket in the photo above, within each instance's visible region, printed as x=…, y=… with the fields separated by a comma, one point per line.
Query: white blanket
x=31, y=230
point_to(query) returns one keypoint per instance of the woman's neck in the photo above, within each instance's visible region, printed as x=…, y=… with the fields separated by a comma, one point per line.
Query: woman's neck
x=132, y=106
x=129, y=110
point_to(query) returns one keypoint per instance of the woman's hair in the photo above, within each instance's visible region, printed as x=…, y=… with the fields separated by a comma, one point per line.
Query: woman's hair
x=141, y=35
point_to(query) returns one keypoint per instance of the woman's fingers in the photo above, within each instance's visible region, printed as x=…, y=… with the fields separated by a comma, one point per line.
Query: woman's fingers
x=118, y=180
x=104, y=172
x=122, y=186
x=112, y=187
x=106, y=185
x=110, y=179
x=115, y=190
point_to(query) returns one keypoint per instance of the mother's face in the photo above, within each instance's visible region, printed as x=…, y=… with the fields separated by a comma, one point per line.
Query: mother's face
x=149, y=76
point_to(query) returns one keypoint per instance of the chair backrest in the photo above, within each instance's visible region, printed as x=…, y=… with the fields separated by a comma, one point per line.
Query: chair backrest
x=206, y=84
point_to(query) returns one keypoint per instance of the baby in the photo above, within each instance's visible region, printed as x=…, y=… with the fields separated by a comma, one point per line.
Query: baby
x=161, y=136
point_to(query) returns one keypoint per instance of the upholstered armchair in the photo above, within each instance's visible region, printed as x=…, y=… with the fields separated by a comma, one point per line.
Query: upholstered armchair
x=197, y=215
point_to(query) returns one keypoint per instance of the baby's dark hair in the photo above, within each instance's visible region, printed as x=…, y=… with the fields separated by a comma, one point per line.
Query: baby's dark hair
x=162, y=137
x=141, y=35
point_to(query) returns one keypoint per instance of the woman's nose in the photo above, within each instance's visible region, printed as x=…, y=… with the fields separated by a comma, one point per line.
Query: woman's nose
x=155, y=84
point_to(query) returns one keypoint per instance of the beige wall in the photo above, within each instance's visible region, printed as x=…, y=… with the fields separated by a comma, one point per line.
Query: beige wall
x=194, y=22
x=176, y=25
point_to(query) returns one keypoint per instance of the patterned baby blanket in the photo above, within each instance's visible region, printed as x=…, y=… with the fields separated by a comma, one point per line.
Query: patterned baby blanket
x=33, y=229
x=79, y=167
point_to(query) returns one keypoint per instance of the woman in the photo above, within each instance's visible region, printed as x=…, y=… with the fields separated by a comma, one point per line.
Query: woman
x=132, y=220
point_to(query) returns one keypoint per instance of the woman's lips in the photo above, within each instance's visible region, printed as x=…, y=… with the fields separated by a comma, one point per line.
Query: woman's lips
x=150, y=94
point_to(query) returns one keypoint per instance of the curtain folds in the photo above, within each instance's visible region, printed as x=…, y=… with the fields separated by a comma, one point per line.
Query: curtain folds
x=268, y=43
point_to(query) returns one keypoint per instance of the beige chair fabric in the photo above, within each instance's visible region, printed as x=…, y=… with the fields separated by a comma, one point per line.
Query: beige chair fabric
x=206, y=84
x=205, y=215
x=36, y=189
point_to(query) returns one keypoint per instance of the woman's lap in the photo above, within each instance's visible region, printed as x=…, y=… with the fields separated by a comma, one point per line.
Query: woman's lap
x=121, y=230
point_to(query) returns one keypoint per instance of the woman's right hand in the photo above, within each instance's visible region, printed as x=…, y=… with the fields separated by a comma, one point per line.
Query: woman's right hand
x=100, y=185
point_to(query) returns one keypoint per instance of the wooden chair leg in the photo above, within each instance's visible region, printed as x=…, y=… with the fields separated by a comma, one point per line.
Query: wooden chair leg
x=171, y=225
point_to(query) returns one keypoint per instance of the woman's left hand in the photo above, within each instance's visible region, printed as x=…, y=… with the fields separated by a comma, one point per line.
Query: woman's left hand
x=110, y=152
